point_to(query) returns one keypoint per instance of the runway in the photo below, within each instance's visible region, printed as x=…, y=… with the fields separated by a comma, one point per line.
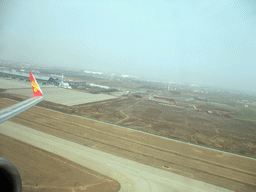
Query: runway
x=132, y=176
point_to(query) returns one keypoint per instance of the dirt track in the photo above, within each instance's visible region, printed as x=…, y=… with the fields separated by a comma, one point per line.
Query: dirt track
x=219, y=168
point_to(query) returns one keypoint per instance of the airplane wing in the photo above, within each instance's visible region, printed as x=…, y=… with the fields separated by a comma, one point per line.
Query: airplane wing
x=18, y=108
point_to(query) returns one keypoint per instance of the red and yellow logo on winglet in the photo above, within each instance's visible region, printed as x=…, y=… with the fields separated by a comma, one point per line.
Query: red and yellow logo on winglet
x=36, y=89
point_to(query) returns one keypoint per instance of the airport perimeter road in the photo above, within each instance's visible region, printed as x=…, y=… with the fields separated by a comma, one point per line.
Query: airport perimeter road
x=131, y=175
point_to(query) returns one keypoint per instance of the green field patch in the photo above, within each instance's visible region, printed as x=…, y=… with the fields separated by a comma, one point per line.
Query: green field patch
x=248, y=114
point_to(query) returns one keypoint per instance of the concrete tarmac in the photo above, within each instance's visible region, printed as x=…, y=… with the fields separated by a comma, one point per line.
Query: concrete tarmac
x=132, y=176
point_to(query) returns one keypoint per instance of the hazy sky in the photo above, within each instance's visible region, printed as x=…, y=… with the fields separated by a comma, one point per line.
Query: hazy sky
x=194, y=41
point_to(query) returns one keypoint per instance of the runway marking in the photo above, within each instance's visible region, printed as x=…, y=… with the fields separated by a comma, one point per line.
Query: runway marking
x=126, y=182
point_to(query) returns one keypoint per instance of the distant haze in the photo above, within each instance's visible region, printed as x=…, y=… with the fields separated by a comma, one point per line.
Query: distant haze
x=200, y=42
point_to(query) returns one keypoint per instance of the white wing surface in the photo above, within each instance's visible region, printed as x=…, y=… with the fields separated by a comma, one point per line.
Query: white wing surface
x=18, y=108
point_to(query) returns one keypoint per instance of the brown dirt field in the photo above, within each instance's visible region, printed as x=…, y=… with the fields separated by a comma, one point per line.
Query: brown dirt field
x=218, y=131
x=223, y=169
x=43, y=171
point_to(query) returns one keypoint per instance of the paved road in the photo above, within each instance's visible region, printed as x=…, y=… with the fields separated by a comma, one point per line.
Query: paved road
x=131, y=175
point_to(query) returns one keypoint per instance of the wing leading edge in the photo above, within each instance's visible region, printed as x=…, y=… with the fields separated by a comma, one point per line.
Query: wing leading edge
x=18, y=108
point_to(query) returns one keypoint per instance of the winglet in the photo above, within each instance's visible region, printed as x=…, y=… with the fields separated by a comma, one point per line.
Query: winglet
x=36, y=89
